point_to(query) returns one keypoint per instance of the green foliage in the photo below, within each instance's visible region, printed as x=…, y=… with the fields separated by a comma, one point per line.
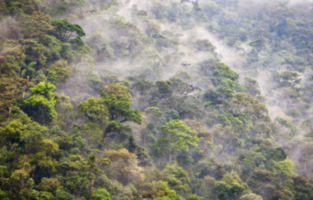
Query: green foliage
x=64, y=30
x=151, y=58
x=10, y=61
x=171, y=121
x=58, y=8
x=101, y=47
x=40, y=105
x=63, y=195
x=225, y=71
x=251, y=197
x=119, y=106
x=142, y=13
x=10, y=89
x=193, y=197
x=164, y=89
x=94, y=109
x=45, y=196
x=230, y=186
x=227, y=119
x=180, y=181
x=168, y=194
x=287, y=124
x=35, y=25
x=285, y=166
x=59, y=71
x=101, y=194
x=179, y=135
x=118, y=129
x=18, y=7
x=108, y=6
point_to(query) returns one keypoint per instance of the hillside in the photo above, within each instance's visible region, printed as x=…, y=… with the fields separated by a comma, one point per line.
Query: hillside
x=156, y=100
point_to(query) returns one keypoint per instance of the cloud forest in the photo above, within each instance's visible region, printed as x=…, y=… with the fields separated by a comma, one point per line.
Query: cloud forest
x=156, y=100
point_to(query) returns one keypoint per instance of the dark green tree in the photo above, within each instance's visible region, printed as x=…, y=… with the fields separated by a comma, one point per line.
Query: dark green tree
x=65, y=30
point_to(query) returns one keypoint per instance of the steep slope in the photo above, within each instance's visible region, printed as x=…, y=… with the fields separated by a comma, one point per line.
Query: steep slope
x=155, y=100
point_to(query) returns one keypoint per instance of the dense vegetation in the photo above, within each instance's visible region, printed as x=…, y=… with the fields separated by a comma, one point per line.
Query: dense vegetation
x=155, y=100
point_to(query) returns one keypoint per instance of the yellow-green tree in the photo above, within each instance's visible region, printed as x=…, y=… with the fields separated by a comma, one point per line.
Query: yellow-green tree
x=180, y=137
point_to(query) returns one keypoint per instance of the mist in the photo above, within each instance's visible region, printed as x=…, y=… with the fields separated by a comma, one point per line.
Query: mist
x=217, y=92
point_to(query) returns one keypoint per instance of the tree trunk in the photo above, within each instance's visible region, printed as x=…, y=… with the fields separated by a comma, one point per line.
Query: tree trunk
x=171, y=156
x=91, y=184
x=79, y=191
x=23, y=95
x=225, y=148
x=248, y=177
x=159, y=162
x=33, y=172
x=144, y=141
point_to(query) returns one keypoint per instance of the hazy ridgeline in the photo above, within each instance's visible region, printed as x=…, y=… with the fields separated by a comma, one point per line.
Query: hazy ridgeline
x=156, y=100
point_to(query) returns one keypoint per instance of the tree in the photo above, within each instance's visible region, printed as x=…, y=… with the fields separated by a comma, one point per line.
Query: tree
x=226, y=137
x=203, y=133
x=27, y=70
x=183, y=88
x=40, y=105
x=164, y=89
x=101, y=46
x=59, y=71
x=165, y=193
x=119, y=90
x=28, y=191
x=123, y=166
x=19, y=179
x=94, y=109
x=179, y=135
x=117, y=100
x=34, y=51
x=63, y=105
x=153, y=114
x=251, y=196
x=63, y=194
x=120, y=108
x=49, y=185
x=117, y=129
x=10, y=60
x=19, y=7
x=179, y=179
x=207, y=186
x=64, y=30
x=45, y=195
x=143, y=86
x=204, y=45
x=247, y=104
x=252, y=87
x=36, y=25
x=224, y=71
x=285, y=166
x=230, y=186
x=101, y=194
x=10, y=90
x=303, y=188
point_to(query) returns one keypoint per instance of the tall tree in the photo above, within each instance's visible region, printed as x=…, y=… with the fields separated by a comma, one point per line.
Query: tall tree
x=36, y=25
x=65, y=30
x=10, y=90
x=40, y=105
x=180, y=137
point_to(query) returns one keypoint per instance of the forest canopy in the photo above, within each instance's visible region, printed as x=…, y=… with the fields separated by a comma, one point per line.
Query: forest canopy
x=156, y=100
